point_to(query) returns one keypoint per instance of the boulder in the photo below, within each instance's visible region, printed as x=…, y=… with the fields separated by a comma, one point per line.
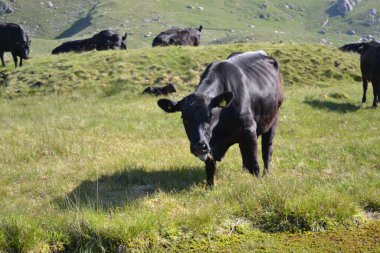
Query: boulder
x=344, y=6
x=5, y=8
x=372, y=12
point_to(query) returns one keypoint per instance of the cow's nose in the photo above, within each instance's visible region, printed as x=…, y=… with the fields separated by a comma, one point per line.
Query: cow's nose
x=199, y=148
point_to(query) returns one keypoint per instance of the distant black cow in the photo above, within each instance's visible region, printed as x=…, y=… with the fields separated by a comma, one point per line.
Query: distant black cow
x=352, y=47
x=370, y=68
x=236, y=101
x=104, y=40
x=169, y=88
x=178, y=37
x=14, y=39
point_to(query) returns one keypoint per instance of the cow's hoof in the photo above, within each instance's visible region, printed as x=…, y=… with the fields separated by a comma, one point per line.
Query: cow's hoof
x=210, y=187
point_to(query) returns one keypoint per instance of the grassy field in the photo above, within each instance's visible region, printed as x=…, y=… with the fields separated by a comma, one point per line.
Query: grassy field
x=87, y=163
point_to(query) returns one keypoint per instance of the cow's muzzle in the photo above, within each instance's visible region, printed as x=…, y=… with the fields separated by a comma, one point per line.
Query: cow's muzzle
x=201, y=150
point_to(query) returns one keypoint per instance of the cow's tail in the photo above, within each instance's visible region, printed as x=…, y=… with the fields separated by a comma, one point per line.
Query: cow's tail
x=280, y=95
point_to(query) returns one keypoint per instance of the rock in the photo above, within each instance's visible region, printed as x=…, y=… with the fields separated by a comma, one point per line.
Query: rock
x=325, y=23
x=351, y=32
x=322, y=32
x=149, y=34
x=190, y=7
x=5, y=8
x=251, y=26
x=372, y=12
x=344, y=6
x=200, y=8
x=50, y=4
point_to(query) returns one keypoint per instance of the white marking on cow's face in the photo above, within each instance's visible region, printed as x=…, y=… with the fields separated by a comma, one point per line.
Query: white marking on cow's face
x=203, y=157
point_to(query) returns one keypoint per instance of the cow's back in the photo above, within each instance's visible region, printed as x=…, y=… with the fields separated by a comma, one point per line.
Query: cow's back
x=10, y=34
x=370, y=62
x=255, y=80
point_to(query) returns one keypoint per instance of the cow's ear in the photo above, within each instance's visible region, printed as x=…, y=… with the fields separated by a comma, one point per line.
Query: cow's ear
x=200, y=29
x=223, y=100
x=168, y=105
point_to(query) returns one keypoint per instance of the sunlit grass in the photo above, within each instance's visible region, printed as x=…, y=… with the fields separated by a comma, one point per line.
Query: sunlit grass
x=87, y=169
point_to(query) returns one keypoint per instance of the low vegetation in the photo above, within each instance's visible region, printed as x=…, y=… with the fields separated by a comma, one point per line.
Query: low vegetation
x=88, y=163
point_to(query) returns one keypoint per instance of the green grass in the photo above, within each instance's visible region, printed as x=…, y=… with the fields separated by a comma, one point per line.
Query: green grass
x=88, y=163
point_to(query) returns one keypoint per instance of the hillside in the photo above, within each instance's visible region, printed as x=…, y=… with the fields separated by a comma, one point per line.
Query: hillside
x=89, y=164
x=224, y=21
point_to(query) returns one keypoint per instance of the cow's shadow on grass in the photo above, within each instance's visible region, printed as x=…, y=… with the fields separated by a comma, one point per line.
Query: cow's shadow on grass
x=110, y=192
x=332, y=106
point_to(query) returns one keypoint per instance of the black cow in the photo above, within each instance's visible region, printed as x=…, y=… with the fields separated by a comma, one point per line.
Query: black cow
x=14, y=39
x=352, y=47
x=357, y=47
x=104, y=40
x=178, y=37
x=370, y=68
x=109, y=40
x=236, y=101
x=169, y=88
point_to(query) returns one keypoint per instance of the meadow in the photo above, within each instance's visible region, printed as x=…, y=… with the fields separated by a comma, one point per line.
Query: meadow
x=89, y=164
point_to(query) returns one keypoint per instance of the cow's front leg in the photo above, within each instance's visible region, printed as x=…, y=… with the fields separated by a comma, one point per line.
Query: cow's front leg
x=210, y=171
x=14, y=58
x=248, y=149
x=365, y=86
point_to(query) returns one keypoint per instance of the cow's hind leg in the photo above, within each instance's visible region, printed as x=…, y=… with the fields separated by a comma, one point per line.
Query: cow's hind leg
x=14, y=58
x=365, y=86
x=376, y=92
x=266, y=146
x=2, y=58
x=248, y=149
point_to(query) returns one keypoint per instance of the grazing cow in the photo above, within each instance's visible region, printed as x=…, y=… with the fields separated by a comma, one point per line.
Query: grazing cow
x=104, y=40
x=178, y=37
x=370, y=68
x=14, y=39
x=169, y=88
x=236, y=101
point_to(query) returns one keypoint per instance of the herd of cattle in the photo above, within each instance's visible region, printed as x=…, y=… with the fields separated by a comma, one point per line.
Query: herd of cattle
x=237, y=100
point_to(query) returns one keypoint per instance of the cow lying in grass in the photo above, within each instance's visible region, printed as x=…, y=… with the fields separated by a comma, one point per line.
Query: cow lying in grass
x=157, y=91
x=104, y=40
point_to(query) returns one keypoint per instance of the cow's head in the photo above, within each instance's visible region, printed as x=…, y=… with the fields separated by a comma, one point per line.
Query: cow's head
x=23, y=49
x=171, y=87
x=198, y=118
x=123, y=44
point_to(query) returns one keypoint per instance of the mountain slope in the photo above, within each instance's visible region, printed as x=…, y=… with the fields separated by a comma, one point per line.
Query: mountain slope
x=224, y=21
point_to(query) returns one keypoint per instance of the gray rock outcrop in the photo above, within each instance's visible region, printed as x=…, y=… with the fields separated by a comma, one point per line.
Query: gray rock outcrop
x=344, y=6
x=5, y=8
